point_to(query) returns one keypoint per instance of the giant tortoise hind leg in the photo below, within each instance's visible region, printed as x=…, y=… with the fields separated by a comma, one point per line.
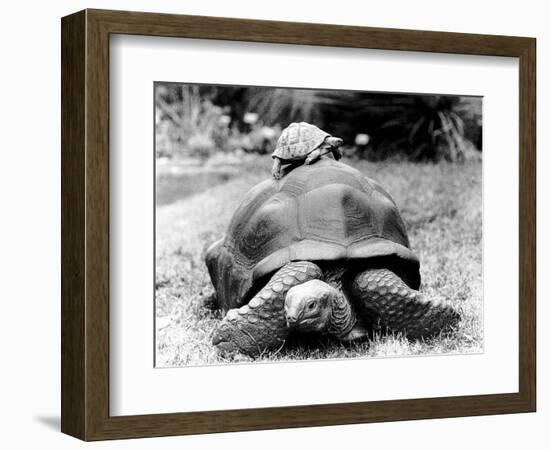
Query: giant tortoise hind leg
x=390, y=305
x=260, y=326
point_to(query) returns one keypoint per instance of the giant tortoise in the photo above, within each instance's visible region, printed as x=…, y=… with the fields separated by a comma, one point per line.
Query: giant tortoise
x=325, y=250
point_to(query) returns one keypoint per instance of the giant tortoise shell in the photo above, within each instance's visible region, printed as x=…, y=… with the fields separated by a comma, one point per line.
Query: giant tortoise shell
x=298, y=140
x=322, y=212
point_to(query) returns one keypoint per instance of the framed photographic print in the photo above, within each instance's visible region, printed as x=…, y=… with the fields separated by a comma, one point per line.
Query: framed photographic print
x=270, y=224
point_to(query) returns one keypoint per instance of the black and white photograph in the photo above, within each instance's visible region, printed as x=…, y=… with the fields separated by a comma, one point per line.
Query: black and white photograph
x=303, y=224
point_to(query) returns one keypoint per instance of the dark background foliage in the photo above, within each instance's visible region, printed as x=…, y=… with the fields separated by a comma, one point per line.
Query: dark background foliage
x=200, y=120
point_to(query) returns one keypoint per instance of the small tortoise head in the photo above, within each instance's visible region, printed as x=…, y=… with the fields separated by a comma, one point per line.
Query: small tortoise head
x=308, y=306
x=334, y=142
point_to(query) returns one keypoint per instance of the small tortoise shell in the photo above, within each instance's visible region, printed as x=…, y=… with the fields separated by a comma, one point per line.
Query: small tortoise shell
x=298, y=140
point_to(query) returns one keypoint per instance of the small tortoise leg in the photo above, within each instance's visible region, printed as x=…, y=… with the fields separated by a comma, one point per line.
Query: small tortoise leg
x=276, y=169
x=337, y=153
x=260, y=326
x=313, y=156
x=390, y=304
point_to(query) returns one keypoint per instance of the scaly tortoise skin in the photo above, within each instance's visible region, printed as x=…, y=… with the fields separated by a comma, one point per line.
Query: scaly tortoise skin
x=324, y=233
x=303, y=142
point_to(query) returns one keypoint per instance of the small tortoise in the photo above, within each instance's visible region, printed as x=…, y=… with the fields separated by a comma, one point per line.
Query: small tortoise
x=303, y=141
x=323, y=250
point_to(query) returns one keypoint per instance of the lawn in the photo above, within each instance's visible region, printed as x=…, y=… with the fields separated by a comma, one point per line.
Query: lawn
x=441, y=205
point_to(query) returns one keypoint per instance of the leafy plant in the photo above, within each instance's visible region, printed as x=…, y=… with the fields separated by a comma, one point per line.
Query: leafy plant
x=278, y=106
x=196, y=123
x=421, y=127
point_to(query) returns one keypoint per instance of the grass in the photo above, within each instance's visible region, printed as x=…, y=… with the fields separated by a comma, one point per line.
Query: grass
x=442, y=208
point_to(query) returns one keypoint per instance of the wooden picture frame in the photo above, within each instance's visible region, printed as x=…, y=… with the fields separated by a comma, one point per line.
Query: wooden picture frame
x=85, y=224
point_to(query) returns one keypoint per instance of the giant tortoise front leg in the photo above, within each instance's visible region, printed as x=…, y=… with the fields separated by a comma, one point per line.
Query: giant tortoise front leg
x=260, y=326
x=390, y=305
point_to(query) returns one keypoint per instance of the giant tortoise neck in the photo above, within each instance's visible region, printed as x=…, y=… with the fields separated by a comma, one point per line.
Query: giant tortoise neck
x=342, y=318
